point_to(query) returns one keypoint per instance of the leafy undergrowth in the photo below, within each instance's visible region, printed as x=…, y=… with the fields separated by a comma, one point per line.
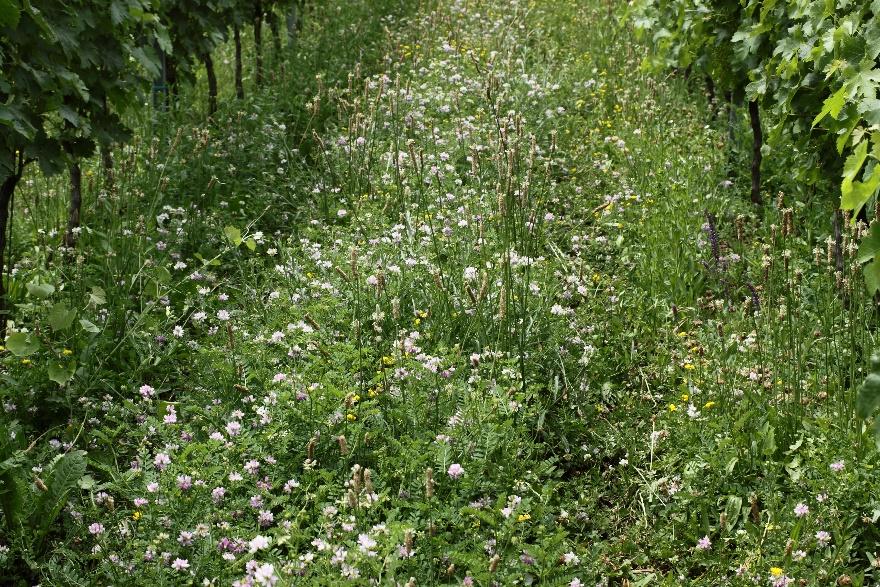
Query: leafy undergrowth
x=487, y=310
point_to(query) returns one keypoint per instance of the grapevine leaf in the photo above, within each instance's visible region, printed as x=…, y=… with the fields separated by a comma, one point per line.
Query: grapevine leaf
x=853, y=165
x=865, y=82
x=869, y=396
x=870, y=244
x=164, y=41
x=871, y=273
x=875, y=429
x=69, y=114
x=117, y=12
x=833, y=105
x=869, y=108
x=9, y=14
x=860, y=192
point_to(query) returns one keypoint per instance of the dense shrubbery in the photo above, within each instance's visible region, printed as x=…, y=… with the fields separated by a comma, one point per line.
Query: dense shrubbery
x=813, y=65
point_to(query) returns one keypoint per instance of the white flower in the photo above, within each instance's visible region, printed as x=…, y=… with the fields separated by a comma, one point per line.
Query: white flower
x=258, y=543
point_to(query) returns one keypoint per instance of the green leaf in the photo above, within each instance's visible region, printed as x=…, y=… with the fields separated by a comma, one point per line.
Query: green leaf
x=61, y=373
x=64, y=476
x=875, y=429
x=732, y=509
x=251, y=244
x=61, y=317
x=233, y=235
x=871, y=273
x=9, y=14
x=869, y=396
x=860, y=192
x=87, y=483
x=22, y=344
x=118, y=12
x=832, y=105
x=853, y=165
x=40, y=290
x=870, y=245
x=97, y=297
x=89, y=326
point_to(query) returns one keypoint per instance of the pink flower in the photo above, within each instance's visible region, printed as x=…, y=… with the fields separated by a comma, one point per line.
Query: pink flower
x=455, y=470
x=836, y=466
x=801, y=510
x=161, y=461
x=147, y=391
x=96, y=529
x=180, y=564
x=184, y=482
x=704, y=543
x=217, y=494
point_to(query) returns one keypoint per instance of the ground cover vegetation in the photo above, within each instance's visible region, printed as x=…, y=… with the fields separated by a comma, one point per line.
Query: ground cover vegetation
x=476, y=292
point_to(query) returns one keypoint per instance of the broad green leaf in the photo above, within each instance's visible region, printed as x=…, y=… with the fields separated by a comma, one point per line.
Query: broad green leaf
x=251, y=244
x=732, y=509
x=860, y=192
x=97, y=297
x=64, y=476
x=833, y=105
x=870, y=245
x=22, y=344
x=61, y=317
x=40, y=290
x=61, y=373
x=875, y=429
x=869, y=396
x=853, y=165
x=233, y=235
x=9, y=14
x=871, y=273
x=118, y=12
x=89, y=326
x=87, y=483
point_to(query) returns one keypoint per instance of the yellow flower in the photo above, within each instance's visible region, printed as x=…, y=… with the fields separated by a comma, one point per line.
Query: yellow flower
x=523, y=517
x=355, y=399
x=708, y=405
x=689, y=366
x=136, y=516
x=673, y=407
x=372, y=392
x=417, y=321
x=351, y=417
x=685, y=397
x=67, y=352
x=776, y=571
x=387, y=361
x=25, y=361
